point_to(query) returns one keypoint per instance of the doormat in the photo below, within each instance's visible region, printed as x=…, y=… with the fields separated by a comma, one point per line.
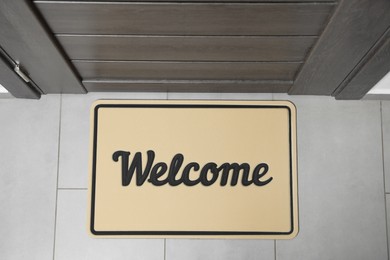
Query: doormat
x=193, y=169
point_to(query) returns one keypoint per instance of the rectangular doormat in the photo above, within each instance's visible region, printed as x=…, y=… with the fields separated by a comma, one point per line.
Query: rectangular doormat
x=193, y=169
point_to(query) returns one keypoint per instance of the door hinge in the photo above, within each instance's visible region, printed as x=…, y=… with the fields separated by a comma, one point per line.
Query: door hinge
x=21, y=74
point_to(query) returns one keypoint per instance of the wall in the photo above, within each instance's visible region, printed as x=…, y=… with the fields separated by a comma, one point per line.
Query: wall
x=343, y=149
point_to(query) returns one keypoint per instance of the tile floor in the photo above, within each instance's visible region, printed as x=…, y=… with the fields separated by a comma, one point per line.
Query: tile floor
x=343, y=156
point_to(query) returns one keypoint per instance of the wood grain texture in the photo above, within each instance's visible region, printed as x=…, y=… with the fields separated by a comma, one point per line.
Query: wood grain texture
x=370, y=70
x=185, y=18
x=187, y=70
x=184, y=48
x=188, y=86
x=15, y=85
x=25, y=39
x=192, y=1
x=352, y=31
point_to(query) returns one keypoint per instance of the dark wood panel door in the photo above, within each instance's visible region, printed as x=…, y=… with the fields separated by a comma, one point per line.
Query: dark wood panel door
x=186, y=18
x=187, y=70
x=187, y=86
x=187, y=48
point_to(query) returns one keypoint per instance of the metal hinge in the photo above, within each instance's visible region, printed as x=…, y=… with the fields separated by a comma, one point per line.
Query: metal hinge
x=17, y=68
x=21, y=73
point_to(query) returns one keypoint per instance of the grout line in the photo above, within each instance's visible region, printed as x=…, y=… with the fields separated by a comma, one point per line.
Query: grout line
x=58, y=170
x=275, y=248
x=165, y=249
x=72, y=188
x=384, y=180
x=387, y=230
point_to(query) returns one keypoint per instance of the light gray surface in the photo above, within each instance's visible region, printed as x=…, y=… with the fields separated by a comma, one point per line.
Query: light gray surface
x=341, y=185
x=386, y=141
x=28, y=177
x=191, y=249
x=223, y=96
x=341, y=191
x=73, y=242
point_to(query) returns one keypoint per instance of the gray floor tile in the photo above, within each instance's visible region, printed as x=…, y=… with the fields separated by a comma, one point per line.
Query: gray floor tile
x=73, y=242
x=386, y=141
x=74, y=143
x=28, y=175
x=341, y=191
x=243, y=96
x=191, y=249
